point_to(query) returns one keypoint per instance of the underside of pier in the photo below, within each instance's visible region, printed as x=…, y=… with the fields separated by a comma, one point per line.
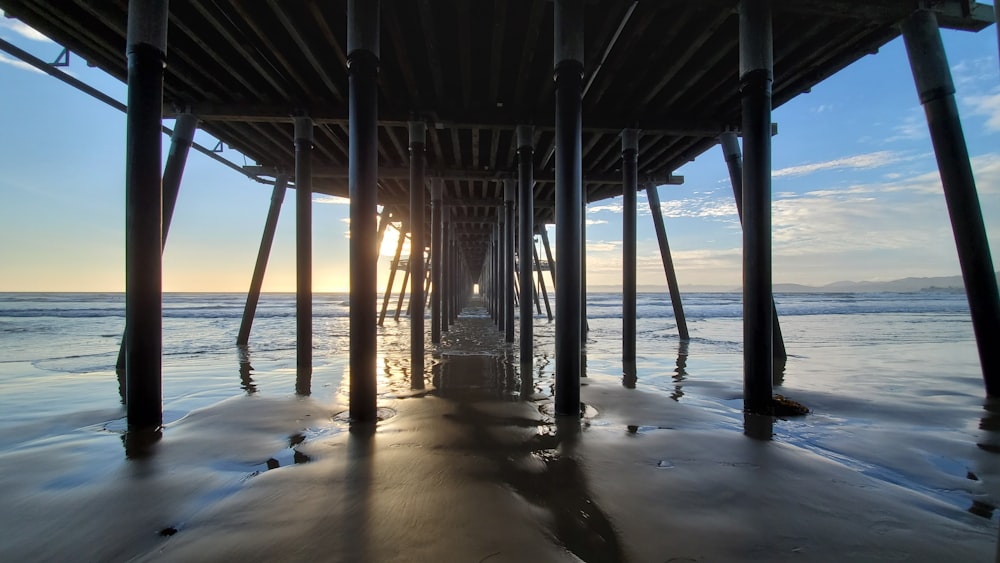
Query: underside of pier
x=473, y=71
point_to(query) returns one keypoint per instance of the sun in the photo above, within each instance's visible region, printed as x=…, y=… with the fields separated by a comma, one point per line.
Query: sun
x=389, y=242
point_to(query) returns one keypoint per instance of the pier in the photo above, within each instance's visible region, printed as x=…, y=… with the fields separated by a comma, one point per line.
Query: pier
x=506, y=117
x=462, y=416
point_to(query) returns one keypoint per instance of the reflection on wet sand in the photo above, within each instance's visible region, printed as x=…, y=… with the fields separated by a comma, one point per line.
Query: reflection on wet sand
x=629, y=375
x=140, y=444
x=758, y=426
x=357, y=492
x=246, y=370
x=401, y=380
x=479, y=377
x=416, y=378
x=298, y=458
x=990, y=425
x=527, y=381
x=543, y=469
x=989, y=442
x=120, y=374
x=778, y=371
x=680, y=372
x=303, y=384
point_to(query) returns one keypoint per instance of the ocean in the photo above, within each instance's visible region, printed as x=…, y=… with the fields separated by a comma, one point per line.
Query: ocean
x=892, y=380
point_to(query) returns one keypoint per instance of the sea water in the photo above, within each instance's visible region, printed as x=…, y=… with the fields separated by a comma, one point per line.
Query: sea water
x=892, y=380
x=57, y=349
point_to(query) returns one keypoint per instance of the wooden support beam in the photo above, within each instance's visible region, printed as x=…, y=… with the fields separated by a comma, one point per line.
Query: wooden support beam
x=305, y=49
x=667, y=77
x=398, y=41
x=464, y=51
x=499, y=118
x=469, y=175
x=496, y=49
x=475, y=148
x=433, y=52
x=533, y=29
x=223, y=32
x=951, y=14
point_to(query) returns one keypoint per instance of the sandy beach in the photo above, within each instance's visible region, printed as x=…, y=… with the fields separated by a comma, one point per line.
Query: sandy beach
x=474, y=468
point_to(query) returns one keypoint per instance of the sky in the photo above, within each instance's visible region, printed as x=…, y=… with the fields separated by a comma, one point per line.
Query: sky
x=856, y=193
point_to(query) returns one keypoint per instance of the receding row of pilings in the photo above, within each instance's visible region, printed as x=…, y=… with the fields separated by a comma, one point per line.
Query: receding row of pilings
x=148, y=204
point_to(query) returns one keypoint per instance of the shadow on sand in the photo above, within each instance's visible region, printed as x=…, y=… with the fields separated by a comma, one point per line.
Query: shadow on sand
x=543, y=467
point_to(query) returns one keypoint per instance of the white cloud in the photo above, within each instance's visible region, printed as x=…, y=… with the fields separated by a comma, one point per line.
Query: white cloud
x=711, y=266
x=971, y=73
x=913, y=127
x=705, y=204
x=859, y=161
x=902, y=215
x=831, y=224
x=986, y=169
x=987, y=105
x=609, y=207
x=850, y=190
x=976, y=80
x=603, y=246
x=23, y=30
x=705, y=258
x=330, y=199
x=17, y=63
x=887, y=228
x=700, y=207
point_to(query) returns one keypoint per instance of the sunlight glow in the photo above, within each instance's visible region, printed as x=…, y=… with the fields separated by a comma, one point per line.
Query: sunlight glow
x=389, y=242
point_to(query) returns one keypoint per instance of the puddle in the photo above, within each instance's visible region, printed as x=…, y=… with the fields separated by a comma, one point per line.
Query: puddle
x=382, y=414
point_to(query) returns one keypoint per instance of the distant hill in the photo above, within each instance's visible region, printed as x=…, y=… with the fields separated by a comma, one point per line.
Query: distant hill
x=901, y=285
x=904, y=285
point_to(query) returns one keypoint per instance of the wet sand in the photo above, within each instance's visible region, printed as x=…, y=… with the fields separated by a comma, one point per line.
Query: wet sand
x=471, y=468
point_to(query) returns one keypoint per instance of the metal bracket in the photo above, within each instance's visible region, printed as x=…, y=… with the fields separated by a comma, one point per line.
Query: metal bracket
x=63, y=58
x=218, y=147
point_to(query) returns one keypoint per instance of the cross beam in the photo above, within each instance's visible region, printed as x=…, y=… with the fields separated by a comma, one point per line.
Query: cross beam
x=488, y=119
x=469, y=174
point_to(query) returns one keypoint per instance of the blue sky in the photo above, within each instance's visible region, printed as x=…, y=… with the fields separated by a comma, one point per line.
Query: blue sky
x=856, y=191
